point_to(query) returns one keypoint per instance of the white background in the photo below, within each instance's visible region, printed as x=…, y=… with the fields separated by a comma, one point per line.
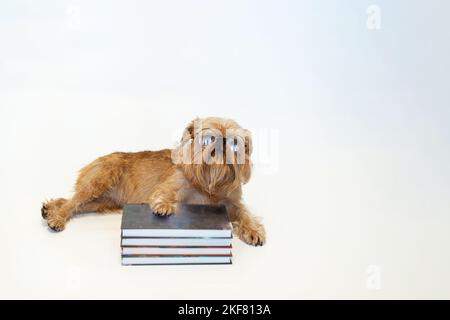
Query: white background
x=353, y=184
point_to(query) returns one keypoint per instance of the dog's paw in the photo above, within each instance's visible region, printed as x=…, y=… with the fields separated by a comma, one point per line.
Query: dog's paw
x=56, y=223
x=255, y=236
x=163, y=208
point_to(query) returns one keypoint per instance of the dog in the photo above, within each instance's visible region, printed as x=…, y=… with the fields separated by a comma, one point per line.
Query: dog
x=208, y=166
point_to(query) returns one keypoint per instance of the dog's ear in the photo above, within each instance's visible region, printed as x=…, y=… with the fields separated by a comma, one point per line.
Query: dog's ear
x=248, y=142
x=189, y=132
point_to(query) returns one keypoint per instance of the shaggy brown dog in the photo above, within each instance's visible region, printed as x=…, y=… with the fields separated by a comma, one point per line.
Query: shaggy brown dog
x=209, y=166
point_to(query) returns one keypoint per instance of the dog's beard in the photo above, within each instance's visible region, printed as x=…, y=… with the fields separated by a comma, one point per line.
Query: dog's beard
x=218, y=178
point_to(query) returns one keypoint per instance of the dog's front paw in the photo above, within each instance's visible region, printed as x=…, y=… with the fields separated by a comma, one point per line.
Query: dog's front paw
x=163, y=208
x=255, y=235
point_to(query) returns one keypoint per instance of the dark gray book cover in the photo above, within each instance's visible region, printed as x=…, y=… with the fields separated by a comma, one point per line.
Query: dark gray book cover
x=190, y=220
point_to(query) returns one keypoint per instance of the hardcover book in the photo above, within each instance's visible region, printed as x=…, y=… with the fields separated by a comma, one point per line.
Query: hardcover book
x=190, y=221
x=162, y=251
x=176, y=242
x=175, y=260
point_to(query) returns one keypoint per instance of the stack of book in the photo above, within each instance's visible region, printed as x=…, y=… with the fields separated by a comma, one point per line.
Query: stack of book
x=195, y=234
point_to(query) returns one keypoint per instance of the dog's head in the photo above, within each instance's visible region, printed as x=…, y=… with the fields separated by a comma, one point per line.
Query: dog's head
x=214, y=154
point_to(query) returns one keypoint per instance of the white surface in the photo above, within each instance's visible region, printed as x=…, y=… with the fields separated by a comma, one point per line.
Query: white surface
x=355, y=201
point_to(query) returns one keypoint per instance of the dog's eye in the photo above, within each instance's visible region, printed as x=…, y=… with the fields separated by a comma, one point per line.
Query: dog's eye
x=233, y=144
x=207, y=140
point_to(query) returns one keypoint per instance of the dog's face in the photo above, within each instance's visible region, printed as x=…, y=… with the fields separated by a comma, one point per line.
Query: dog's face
x=215, y=154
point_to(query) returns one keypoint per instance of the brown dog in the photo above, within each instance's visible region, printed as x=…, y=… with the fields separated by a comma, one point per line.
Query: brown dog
x=209, y=166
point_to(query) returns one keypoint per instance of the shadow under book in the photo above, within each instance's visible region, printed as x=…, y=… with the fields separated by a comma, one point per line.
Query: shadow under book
x=195, y=234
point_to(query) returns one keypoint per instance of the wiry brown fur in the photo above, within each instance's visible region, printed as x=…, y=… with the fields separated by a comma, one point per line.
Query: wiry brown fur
x=153, y=177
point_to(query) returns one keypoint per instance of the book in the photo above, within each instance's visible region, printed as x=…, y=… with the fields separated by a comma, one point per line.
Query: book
x=190, y=221
x=195, y=234
x=175, y=260
x=199, y=251
x=180, y=242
